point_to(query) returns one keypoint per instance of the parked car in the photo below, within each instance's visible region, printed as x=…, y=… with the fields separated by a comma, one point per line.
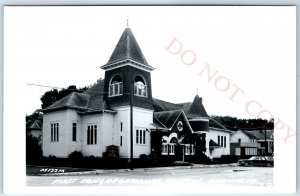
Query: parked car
x=257, y=161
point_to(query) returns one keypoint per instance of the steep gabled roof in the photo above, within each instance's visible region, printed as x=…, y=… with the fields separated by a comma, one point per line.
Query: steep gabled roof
x=127, y=49
x=167, y=118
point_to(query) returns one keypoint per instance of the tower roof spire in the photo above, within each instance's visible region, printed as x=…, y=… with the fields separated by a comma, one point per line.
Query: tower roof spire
x=127, y=22
x=127, y=49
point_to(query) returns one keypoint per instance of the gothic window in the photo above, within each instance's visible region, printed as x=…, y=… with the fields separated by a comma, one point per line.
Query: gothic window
x=115, y=86
x=140, y=87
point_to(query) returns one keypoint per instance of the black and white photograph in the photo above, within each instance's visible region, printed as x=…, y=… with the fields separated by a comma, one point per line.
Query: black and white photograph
x=121, y=99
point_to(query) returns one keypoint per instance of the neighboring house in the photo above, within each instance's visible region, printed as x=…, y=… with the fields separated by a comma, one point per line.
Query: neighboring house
x=244, y=144
x=101, y=116
x=34, y=126
x=266, y=139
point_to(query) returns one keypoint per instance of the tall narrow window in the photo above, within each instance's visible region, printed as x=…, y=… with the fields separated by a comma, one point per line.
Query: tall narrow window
x=140, y=136
x=54, y=132
x=222, y=141
x=137, y=136
x=91, y=134
x=121, y=141
x=225, y=141
x=121, y=126
x=74, y=132
x=144, y=137
x=218, y=140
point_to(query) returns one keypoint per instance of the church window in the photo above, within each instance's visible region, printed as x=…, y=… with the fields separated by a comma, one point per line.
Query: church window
x=140, y=136
x=91, y=134
x=164, y=149
x=140, y=87
x=54, y=132
x=171, y=149
x=115, y=86
x=74, y=130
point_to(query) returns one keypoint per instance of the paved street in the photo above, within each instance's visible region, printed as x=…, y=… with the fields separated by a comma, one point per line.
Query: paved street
x=229, y=175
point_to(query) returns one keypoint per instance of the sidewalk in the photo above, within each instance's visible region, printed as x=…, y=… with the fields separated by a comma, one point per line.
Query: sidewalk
x=107, y=171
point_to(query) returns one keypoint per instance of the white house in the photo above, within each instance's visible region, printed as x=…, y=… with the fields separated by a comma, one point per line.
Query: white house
x=245, y=144
x=101, y=116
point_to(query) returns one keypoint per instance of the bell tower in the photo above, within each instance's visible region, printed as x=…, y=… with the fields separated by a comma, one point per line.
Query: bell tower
x=127, y=72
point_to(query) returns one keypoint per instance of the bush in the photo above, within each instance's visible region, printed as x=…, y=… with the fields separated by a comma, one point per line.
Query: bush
x=229, y=158
x=33, y=150
x=75, y=158
x=143, y=160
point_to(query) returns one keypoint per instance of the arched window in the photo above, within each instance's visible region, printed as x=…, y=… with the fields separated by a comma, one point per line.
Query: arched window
x=174, y=140
x=140, y=87
x=115, y=86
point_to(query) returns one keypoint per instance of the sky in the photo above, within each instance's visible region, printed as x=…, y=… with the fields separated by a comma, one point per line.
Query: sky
x=246, y=48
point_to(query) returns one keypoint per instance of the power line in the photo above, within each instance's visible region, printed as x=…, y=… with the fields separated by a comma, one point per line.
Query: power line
x=39, y=85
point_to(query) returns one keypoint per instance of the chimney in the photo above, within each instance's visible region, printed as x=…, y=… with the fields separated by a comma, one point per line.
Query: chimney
x=72, y=88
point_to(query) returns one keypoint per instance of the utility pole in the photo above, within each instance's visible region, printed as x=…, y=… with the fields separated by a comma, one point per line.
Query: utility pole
x=266, y=141
x=131, y=126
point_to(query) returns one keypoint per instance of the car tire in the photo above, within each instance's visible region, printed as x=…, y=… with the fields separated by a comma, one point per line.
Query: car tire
x=246, y=164
x=269, y=164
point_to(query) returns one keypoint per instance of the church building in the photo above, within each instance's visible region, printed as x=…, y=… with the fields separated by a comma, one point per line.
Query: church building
x=121, y=107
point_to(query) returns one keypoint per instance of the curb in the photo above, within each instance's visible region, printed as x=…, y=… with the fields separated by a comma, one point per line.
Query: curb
x=99, y=172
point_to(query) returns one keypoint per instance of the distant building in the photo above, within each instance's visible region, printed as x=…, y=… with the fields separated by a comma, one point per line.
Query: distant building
x=250, y=143
x=101, y=116
x=34, y=126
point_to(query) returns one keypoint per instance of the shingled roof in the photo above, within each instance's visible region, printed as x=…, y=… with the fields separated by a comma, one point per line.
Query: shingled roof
x=90, y=100
x=95, y=93
x=127, y=48
x=192, y=110
x=167, y=118
x=197, y=109
x=74, y=100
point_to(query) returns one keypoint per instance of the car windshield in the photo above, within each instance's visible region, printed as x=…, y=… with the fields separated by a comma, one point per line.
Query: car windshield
x=254, y=158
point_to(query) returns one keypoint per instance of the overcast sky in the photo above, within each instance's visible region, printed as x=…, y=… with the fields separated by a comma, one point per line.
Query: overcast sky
x=252, y=48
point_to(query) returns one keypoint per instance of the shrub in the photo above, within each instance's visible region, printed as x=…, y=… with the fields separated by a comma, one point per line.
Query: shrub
x=229, y=158
x=33, y=150
x=75, y=158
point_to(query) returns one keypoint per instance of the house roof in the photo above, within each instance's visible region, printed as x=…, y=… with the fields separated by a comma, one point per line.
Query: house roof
x=249, y=134
x=35, y=124
x=127, y=48
x=260, y=134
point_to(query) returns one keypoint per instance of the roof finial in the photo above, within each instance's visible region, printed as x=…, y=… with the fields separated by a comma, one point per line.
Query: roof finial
x=127, y=22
